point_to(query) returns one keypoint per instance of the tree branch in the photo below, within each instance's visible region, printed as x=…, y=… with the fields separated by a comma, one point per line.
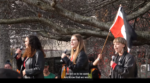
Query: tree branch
x=142, y=35
x=139, y=12
x=97, y=7
x=71, y=15
x=56, y=37
x=7, y=0
x=24, y=29
x=60, y=30
x=32, y=19
x=104, y=3
x=41, y=4
x=83, y=19
x=137, y=6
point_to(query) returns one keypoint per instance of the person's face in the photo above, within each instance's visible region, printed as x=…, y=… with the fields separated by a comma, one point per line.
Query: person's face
x=118, y=47
x=26, y=42
x=7, y=66
x=74, y=42
x=46, y=69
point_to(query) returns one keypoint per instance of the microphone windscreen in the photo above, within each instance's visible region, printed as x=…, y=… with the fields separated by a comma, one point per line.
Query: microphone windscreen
x=65, y=51
x=112, y=57
x=68, y=52
x=21, y=47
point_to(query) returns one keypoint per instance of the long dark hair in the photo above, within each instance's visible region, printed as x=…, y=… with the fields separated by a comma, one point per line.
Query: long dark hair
x=34, y=44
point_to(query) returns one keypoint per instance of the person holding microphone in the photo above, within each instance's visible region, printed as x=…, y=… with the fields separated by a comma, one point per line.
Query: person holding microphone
x=124, y=64
x=31, y=63
x=77, y=64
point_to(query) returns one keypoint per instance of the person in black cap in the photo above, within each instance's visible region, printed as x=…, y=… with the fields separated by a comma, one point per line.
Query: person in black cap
x=94, y=72
x=47, y=74
x=8, y=65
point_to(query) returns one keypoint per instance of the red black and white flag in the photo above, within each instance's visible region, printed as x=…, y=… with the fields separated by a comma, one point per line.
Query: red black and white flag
x=121, y=28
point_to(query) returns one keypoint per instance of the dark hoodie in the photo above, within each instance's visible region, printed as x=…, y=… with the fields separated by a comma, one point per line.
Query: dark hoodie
x=94, y=70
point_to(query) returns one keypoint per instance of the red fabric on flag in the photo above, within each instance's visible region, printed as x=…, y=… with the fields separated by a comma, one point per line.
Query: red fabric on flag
x=122, y=28
x=116, y=28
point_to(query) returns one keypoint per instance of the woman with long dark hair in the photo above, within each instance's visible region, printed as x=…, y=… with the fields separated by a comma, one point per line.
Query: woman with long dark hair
x=31, y=64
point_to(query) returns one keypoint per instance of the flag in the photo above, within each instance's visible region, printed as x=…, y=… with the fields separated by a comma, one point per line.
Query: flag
x=121, y=28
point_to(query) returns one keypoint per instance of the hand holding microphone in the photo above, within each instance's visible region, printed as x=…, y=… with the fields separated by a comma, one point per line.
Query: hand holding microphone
x=112, y=61
x=18, y=52
x=64, y=54
x=113, y=57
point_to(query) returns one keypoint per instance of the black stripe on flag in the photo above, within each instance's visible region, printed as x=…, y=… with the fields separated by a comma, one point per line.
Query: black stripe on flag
x=130, y=33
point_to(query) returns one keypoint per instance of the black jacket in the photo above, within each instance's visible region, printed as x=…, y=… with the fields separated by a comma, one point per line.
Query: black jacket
x=126, y=67
x=96, y=74
x=34, y=66
x=81, y=65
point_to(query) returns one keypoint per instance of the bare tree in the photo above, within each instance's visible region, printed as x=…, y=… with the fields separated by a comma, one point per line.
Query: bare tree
x=42, y=10
x=59, y=19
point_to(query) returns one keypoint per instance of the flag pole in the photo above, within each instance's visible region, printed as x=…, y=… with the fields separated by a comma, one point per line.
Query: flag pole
x=107, y=37
x=120, y=5
x=105, y=42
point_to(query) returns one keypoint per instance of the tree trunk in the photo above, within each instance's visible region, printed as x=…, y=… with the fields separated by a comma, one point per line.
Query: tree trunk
x=5, y=46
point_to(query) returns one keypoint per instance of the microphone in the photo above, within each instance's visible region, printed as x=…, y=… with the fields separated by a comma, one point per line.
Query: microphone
x=17, y=53
x=111, y=69
x=112, y=57
x=65, y=53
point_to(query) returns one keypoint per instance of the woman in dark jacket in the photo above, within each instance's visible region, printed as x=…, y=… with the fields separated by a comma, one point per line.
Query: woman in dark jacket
x=77, y=64
x=124, y=64
x=32, y=62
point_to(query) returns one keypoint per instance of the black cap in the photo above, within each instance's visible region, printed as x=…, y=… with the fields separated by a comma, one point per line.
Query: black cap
x=91, y=58
x=8, y=62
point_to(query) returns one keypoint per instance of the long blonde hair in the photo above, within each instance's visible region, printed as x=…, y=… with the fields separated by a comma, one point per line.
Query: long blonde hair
x=80, y=47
